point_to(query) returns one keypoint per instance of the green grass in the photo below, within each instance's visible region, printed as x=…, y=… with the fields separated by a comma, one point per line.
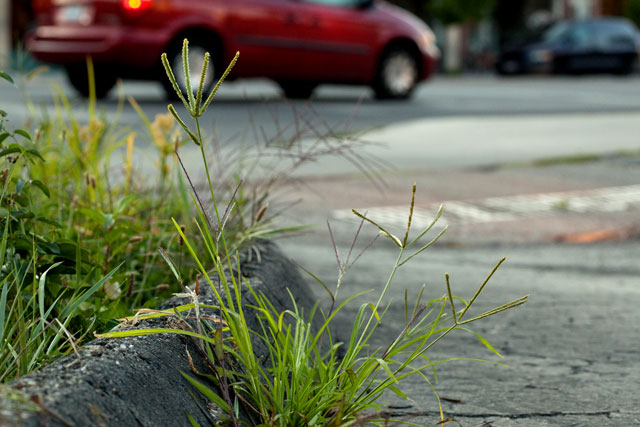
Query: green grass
x=304, y=381
x=86, y=238
x=81, y=228
x=79, y=243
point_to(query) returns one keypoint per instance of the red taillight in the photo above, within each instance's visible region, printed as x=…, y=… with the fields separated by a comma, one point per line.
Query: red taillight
x=136, y=5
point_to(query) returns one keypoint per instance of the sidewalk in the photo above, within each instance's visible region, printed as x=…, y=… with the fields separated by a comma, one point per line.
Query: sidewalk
x=572, y=350
x=580, y=203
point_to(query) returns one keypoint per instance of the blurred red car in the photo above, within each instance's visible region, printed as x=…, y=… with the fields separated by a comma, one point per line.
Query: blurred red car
x=297, y=43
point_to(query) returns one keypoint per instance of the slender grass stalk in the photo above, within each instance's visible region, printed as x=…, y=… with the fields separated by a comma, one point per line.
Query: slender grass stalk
x=300, y=380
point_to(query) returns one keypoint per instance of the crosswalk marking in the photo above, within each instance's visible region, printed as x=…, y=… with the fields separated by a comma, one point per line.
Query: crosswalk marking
x=494, y=209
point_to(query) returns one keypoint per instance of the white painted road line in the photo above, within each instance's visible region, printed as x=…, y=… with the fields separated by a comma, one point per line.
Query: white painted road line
x=494, y=209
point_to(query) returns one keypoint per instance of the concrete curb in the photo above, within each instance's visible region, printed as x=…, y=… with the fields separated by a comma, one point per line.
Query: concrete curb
x=136, y=381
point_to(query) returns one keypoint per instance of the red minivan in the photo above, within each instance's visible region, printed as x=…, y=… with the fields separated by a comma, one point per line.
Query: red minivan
x=297, y=43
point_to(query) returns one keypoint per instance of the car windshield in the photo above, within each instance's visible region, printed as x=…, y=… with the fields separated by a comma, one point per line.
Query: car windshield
x=555, y=32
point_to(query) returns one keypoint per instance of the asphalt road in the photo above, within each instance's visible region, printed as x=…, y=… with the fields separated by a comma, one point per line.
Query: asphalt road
x=572, y=350
x=451, y=122
x=247, y=103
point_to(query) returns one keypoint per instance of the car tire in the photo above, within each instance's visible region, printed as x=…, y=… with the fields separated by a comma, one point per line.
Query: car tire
x=397, y=75
x=198, y=46
x=294, y=89
x=629, y=66
x=104, y=79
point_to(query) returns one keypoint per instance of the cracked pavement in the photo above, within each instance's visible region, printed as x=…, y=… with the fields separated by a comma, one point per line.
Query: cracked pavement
x=572, y=351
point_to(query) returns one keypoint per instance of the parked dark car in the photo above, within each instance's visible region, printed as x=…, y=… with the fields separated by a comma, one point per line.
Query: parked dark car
x=297, y=43
x=582, y=46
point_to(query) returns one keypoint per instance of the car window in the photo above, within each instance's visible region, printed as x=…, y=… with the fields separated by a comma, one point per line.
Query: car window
x=615, y=34
x=554, y=33
x=569, y=34
x=580, y=36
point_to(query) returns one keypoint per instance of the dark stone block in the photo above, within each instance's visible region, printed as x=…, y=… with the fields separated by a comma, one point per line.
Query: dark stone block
x=136, y=381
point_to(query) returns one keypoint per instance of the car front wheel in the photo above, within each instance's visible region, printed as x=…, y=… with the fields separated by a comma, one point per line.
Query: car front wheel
x=397, y=74
x=297, y=89
x=103, y=78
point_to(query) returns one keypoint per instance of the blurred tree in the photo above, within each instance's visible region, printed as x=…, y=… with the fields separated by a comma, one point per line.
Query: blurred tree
x=509, y=17
x=632, y=11
x=459, y=11
x=417, y=7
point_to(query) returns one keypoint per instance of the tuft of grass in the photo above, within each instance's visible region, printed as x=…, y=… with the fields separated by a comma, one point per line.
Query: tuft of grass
x=75, y=246
x=304, y=379
x=81, y=226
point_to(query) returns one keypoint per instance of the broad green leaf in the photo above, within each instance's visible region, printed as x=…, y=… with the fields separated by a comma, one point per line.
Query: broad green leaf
x=23, y=133
x=23, y=215
x=35, y=153
x=39, y=184
x=96, y=216
x=50, y=248
x=124, y=203
x=48, y=221
x=3, y=136
x=12, y=149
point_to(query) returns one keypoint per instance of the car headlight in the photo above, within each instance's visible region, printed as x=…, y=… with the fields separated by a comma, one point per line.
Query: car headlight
x=541, y=56
x=427, y=43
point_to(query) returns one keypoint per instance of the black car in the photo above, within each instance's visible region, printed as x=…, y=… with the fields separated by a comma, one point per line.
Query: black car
x=578, y=46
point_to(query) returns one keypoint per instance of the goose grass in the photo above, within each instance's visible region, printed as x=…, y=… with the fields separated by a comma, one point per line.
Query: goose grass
x=305, y=381
x=80, y=228
x=73, y=206
x=74, y=246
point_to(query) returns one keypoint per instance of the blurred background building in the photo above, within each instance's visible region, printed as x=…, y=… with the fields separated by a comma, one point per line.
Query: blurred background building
x=469, y=32
x=5, y=25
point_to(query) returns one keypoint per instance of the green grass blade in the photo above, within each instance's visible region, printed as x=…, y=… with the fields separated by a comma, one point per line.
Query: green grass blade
x=384, y=365
x=209, y=394
x=170, y=263
x=192, y=420
x=41, y=286
x=153, y=331
x=3, y=306
x=482, y=340
x=71, y=309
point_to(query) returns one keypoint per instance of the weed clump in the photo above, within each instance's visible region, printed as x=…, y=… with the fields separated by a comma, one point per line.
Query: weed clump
x=305, y=380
